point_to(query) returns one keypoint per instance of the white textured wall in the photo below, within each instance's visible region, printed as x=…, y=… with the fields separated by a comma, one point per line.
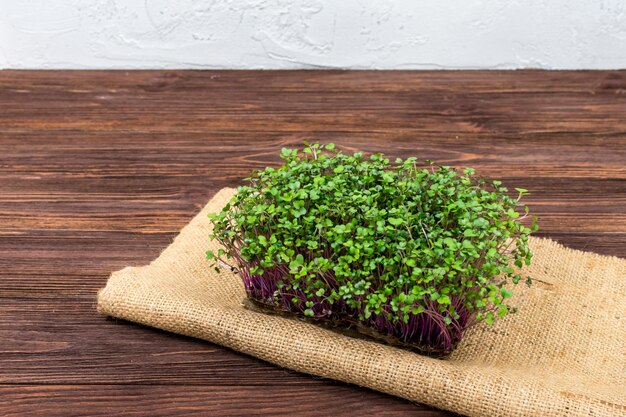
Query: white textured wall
x=402, y=34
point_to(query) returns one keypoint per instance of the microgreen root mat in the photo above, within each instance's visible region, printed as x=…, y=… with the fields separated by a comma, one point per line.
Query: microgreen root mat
x=562, y=354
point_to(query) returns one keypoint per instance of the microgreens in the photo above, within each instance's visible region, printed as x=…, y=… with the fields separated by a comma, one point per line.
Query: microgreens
x=414, y=252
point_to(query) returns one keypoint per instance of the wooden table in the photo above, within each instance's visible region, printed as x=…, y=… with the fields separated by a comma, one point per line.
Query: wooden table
x=99, y=170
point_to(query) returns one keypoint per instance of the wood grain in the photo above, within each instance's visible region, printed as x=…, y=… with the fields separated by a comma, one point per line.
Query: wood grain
x=167, y=400
x=100, y=169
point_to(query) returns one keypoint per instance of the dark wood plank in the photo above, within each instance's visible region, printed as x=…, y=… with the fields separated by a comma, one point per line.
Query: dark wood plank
x=100, y=169
x=165, y=400
x=63, y=342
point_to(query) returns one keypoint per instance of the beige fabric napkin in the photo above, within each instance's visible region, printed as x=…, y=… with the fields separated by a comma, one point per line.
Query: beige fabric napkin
x=561, y=354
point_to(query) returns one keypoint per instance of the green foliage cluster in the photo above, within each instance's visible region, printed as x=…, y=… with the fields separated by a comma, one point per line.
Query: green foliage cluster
x=378, y=238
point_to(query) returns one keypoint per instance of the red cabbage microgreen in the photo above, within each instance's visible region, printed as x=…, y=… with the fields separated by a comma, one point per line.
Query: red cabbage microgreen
x=414, y=254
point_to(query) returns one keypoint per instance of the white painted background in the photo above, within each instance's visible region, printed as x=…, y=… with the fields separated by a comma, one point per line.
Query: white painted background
x=395, y=34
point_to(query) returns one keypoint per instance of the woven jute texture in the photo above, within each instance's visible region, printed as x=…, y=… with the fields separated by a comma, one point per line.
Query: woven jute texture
x=562, y=354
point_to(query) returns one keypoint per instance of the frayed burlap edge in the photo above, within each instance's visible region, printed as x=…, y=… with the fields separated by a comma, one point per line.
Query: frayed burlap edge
x=562, y=354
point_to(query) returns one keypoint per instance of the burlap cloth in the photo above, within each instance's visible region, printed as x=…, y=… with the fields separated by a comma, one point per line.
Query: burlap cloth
x=562, y=354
